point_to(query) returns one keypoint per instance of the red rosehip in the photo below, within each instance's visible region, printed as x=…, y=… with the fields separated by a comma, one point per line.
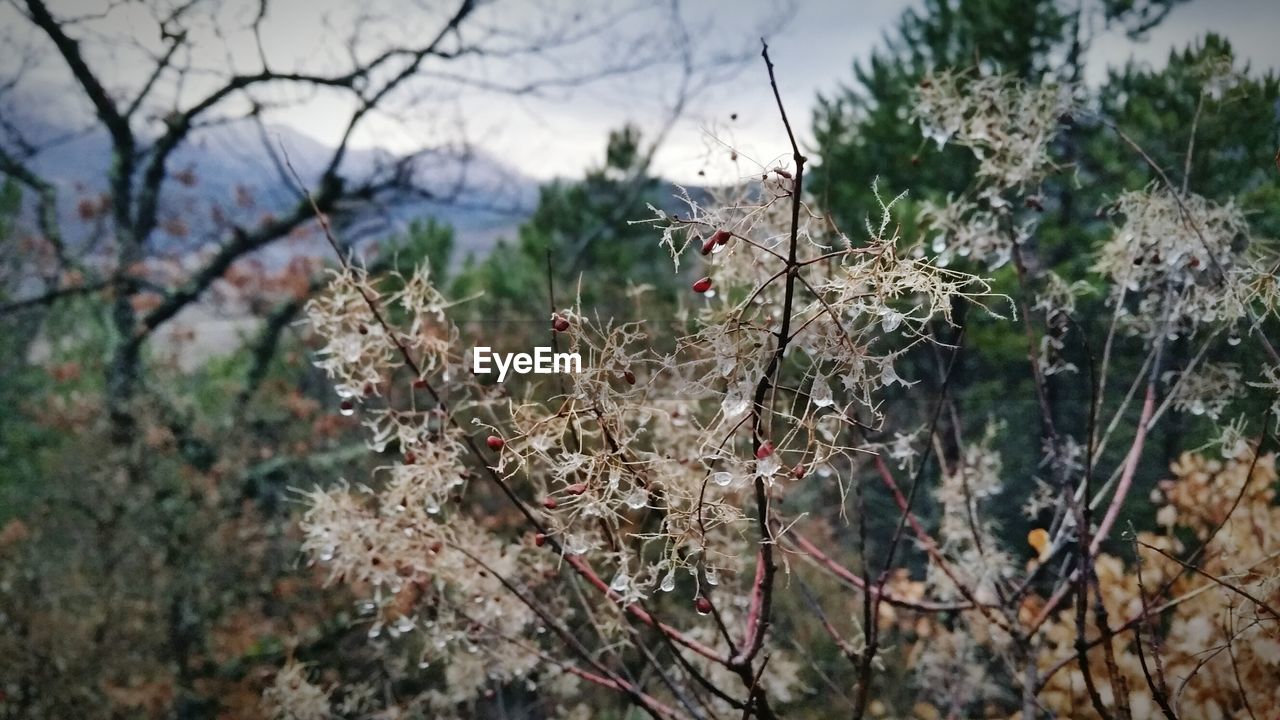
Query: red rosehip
x=722, y=237
x=409, y=457
x=702, y=285
x=765, y=450
x=540, y=539
x=550, y=503
x=799, y=471
x=494, y=442
x=708, y=245
x=577, y=488
x=702, y=605
x=420, y=383
x=559, y=323
x=629, y=376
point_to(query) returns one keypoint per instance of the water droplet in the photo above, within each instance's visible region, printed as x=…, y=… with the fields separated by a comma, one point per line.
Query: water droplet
x=736, y=401
x=937, y=134
x=620, y=583
x=637, y=498
x=767, y=466
x=891, y=320
x=576, y=544
x=888, y=375
x=668, y=582
x=1233, y=340
x=722, y=478
x=713, y=577
x=820, y=392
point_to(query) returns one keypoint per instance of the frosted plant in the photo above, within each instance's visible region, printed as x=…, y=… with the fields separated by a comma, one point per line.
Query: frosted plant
x=648, y=511
x=1008, y=125
x=1179, y=263
x=1205, y=390
x=1010, y=128
x=646, y=476
x=292, y=696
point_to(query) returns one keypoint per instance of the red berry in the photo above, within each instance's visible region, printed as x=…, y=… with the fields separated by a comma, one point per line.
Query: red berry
x=629, y=376
x=495, y=442
x=702, y=285
x=540, y=539
x=799, y=471
x=708, y=245
x=765, y=450
x=550, y=503
x=722, y=237
x=559, y=323
x=577, y=488
x=347, y=406
x=702, y=605
x=409, y=457
x=420, y=383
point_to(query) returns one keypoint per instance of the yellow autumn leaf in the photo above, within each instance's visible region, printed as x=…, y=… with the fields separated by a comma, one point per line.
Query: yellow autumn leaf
x=1038, y=539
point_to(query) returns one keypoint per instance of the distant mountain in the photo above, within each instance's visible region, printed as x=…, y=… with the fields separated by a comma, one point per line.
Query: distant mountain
x=226, y=172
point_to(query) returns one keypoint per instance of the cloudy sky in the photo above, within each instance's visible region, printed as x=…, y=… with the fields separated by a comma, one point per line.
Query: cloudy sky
x=558, y=131
x=814, y=49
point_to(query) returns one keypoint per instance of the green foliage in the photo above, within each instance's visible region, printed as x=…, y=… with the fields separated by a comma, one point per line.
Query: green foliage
x=583, y=230
x=426, y=240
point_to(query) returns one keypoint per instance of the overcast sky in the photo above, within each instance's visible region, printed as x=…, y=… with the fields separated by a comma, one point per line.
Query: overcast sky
x=814, y=51
x=560, y=132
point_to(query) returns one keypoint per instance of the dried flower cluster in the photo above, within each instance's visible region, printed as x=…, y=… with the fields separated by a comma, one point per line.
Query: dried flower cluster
x=1010, y=128
x=551, y=534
